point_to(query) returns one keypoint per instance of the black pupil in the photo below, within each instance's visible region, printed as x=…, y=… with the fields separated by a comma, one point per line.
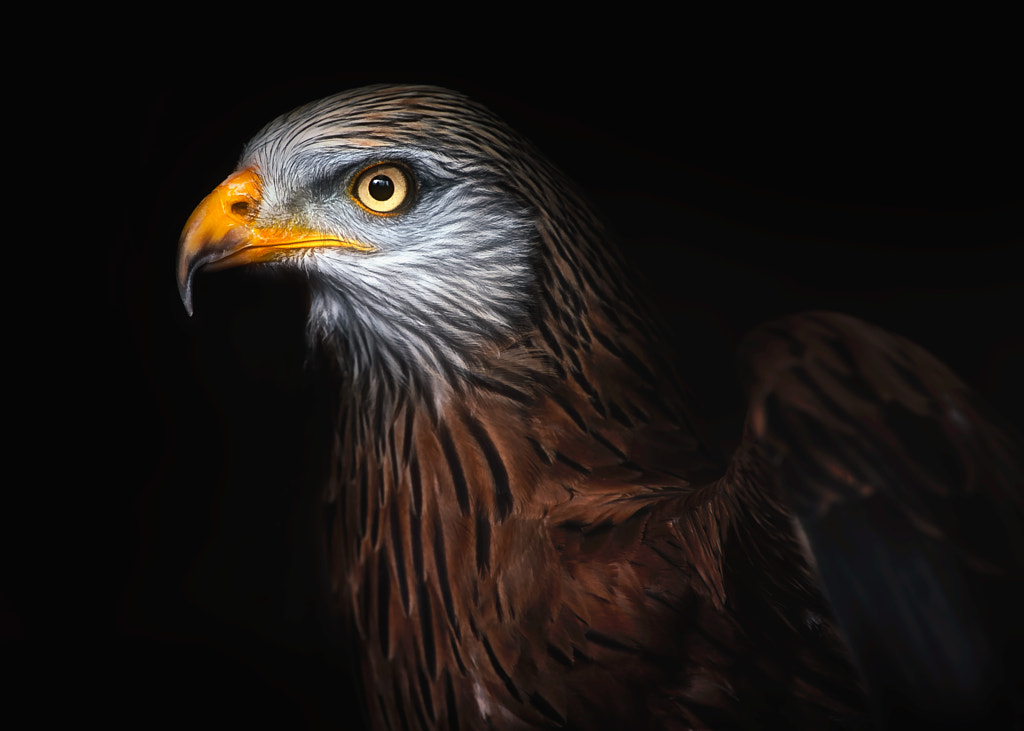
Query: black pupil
x=381, y=187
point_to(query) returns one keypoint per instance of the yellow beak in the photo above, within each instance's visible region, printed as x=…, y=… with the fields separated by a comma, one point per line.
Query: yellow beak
x=220, y=234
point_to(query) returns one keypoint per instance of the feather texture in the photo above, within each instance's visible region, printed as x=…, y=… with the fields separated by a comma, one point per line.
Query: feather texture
x=525, y=526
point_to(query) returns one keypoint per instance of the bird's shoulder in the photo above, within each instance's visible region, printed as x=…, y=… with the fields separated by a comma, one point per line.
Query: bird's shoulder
x=847, y=410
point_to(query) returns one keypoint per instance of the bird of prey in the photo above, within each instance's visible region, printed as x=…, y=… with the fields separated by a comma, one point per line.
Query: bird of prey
x=525, y=526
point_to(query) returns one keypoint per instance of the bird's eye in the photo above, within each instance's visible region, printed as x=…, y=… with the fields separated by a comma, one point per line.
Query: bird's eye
x=385, y=188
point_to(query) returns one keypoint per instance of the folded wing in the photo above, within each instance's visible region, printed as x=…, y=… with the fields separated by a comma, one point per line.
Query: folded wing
x=910, y=492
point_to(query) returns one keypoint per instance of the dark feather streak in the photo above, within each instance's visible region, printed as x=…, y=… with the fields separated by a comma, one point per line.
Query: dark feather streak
x=499, y=475
x=451, y=456
x=502, y=673
x=441, y=563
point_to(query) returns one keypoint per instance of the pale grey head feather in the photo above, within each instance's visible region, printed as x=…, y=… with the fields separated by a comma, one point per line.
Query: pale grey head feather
x=449, y=276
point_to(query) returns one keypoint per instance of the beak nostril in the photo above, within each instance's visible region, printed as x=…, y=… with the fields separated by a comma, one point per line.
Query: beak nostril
x=240, y=209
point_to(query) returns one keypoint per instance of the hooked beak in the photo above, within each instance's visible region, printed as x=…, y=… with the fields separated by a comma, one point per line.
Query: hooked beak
x=221, y=233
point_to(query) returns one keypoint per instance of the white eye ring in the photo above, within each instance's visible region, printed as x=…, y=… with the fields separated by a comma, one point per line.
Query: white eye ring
x=384, y=189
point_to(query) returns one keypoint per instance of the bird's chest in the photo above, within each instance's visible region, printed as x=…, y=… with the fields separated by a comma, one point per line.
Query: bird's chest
x=468, y=621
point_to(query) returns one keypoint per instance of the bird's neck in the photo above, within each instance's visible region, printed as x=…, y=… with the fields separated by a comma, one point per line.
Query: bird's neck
x=568, y=420
x=444, y=502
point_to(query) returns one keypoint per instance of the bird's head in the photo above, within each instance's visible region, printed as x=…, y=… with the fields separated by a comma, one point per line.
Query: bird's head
x=409, y=208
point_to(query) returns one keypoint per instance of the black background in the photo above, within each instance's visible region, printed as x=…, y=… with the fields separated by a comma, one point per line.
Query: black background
x=159, y=570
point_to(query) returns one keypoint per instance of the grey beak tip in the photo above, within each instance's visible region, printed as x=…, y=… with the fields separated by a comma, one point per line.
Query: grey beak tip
x=185, y=292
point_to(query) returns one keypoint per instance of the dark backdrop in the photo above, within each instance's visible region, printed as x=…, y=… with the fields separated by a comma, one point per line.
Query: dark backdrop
x=170, y=575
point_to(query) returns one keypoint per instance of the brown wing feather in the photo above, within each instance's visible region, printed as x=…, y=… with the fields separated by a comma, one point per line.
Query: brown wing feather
x=911, y=493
